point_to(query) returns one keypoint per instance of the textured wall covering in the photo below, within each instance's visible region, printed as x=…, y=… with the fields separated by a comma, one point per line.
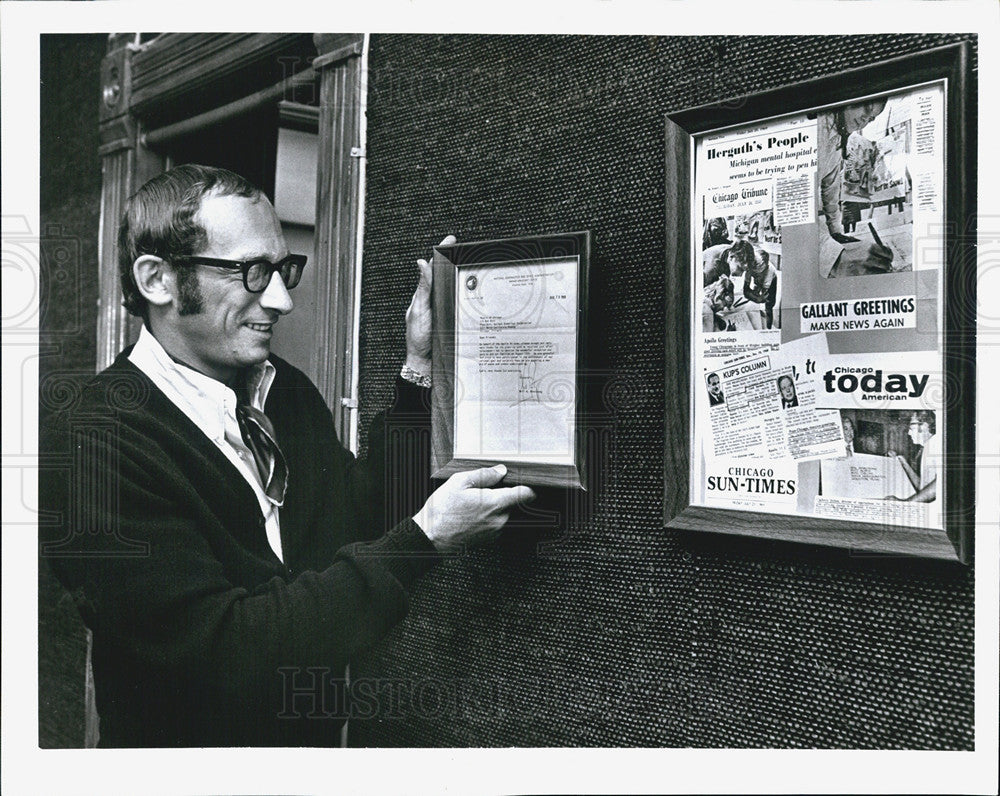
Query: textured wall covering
x=589, y=625
x=592, y=625
x=70, y=182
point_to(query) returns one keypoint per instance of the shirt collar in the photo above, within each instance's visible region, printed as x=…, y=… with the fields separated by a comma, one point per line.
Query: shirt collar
x=206, y=400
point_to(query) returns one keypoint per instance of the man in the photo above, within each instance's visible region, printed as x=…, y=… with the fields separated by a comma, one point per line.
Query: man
x=922, y=433
x=729, y=261
x=209, y=507
x=715, y=244
x=715, y=396
x=717, y=299
x=715, y=263
x=760, y=285
x=716, y=233
x=786, y=387
x=834, y=130
x=740, y=257
x=848, y=426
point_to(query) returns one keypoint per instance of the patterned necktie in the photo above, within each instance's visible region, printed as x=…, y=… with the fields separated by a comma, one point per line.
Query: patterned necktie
x=258, y=434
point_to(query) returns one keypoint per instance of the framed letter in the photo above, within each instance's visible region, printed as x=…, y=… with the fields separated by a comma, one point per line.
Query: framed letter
x=508, y=348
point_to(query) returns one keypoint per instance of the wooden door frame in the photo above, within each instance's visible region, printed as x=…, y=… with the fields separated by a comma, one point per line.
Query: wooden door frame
x=139, y=79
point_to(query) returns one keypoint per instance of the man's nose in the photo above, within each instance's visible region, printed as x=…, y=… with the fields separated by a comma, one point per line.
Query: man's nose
x=275, y=295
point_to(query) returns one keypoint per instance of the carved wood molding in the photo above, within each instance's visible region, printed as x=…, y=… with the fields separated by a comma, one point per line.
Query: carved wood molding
x=117, y=128
x=174, y=65
x=115, y=134
x=125, y=163
x=336, y=47
x=116, y=78
x=297, y=116
x=112, y=319
x=338, y=206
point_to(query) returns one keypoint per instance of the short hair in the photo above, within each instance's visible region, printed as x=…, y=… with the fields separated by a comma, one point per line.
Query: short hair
x=784, y=378
x=159, y=219
x=710, y=375
x=925, y=416
x=716, y=232
x=742, y=251
x=721, y=289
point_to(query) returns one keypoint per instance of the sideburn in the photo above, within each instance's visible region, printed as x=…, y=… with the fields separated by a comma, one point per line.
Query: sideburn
x=189, y=297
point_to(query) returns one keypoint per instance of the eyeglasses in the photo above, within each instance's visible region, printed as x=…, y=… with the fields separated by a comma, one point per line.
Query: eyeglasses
x=256, y=273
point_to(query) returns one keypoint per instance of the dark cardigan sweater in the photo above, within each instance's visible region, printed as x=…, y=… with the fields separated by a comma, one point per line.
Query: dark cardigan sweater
x=202, y=636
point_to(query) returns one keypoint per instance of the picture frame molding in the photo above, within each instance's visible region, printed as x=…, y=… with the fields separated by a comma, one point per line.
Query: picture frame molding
x=447, y=261
x=951, y=63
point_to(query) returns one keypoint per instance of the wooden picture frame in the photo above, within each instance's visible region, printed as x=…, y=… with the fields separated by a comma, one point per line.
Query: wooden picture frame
x=508, y=324
x=685, y=484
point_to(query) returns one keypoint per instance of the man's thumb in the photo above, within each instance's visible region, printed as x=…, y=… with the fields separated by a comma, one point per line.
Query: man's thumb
x=426, y=275
x=484, y=476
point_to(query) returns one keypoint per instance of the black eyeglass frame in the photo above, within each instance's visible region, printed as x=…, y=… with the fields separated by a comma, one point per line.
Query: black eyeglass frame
x=283, y=267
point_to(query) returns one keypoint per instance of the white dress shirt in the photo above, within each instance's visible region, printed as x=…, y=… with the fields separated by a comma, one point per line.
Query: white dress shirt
x=211, y=405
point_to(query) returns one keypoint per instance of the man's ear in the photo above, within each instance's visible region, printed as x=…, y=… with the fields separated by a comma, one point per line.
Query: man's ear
x=155, y=279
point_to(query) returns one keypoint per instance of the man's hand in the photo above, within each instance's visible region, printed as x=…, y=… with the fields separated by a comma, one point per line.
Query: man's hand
x=858, y=259
x=464, y=511
x=418, y=318
x=840, y=237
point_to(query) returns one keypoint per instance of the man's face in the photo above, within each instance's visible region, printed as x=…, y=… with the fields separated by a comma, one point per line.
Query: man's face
x=718, y=231
x=720, y=295
x=723, y=301
x=737, y=264
x=233, y=329
x=919, y=431
x=848, y=431
x=787, y=389
x=857, y=117
x=713, y=385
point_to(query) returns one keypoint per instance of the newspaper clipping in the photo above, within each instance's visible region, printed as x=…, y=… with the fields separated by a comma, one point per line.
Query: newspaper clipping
x=820, y=288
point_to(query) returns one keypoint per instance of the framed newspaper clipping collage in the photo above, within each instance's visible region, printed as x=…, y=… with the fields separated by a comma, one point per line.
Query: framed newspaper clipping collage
x=820, y=369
